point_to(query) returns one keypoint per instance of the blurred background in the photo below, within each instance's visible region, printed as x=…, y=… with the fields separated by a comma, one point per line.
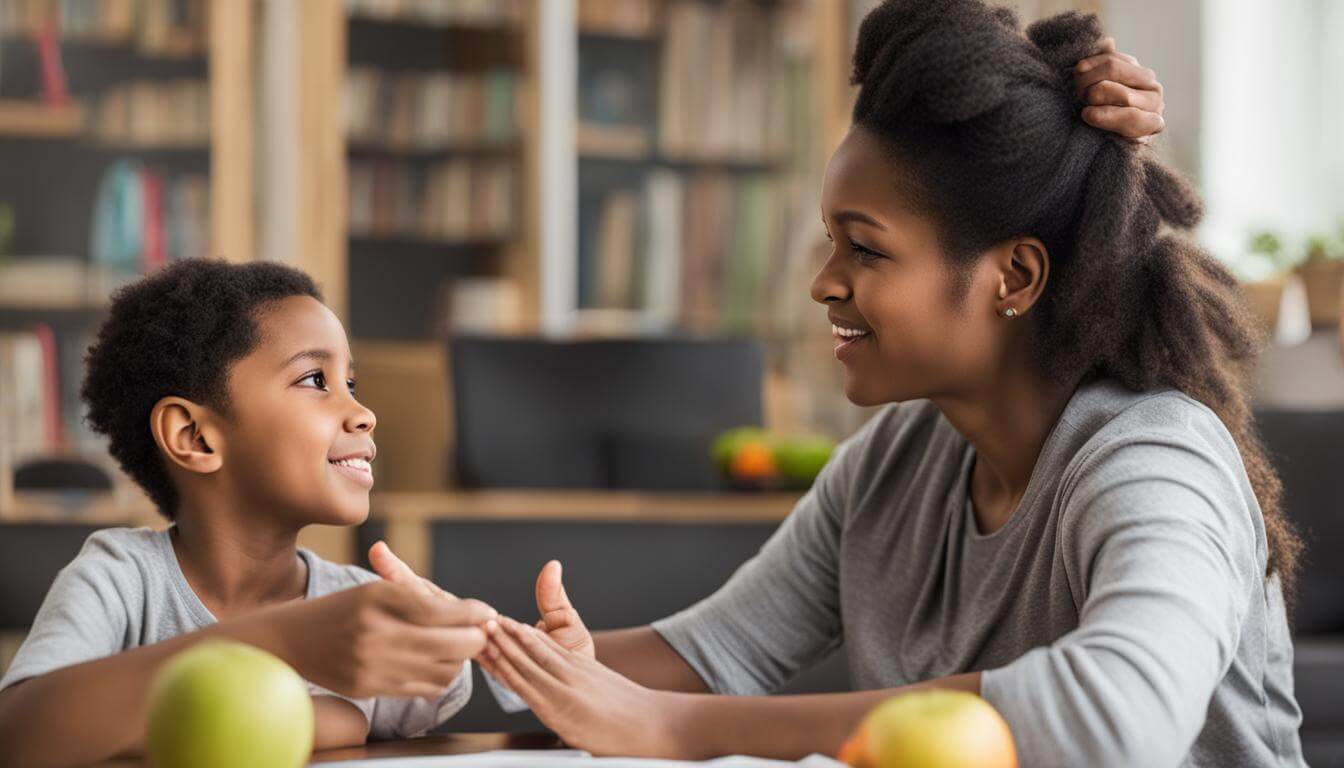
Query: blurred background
x=571, y=241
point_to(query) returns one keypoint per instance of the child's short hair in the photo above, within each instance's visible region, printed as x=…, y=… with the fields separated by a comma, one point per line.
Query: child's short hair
x=176, y=332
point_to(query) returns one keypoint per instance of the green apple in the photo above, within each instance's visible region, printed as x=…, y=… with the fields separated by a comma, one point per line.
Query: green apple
x=932, y=729
x=223, y=704
x=801, y=458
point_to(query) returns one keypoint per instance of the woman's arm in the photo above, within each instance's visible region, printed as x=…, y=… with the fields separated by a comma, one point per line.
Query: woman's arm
x=642, y=655
x=594, y=708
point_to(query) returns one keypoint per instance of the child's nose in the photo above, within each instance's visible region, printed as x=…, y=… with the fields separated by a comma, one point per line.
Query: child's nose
x=361, y=419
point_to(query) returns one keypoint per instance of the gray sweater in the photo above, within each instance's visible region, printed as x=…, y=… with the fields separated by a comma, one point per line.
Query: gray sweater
x=1120, y=617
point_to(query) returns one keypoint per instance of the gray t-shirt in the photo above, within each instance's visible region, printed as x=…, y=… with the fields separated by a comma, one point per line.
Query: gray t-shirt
x=125, y=589
x=1120, y=617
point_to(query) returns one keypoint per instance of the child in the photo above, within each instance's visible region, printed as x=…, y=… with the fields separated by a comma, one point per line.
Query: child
x=227, y=392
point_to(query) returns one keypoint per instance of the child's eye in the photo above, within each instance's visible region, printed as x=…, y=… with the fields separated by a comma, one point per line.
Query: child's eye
x=318, y=378
x=350, y=383
x=865, y=255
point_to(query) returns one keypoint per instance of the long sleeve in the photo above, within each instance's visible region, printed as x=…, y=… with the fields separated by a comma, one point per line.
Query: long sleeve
x=1163, y=547
x=781, y=610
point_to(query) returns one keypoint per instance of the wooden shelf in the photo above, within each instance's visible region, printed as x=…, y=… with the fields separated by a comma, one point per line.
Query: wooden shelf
x=597, y=31
x=684, y=162
x=375, y=149
x=148, y=147
x=584, y=506
x=32, y=119
x=410, y=22
x=107, y=508
x=465, y=243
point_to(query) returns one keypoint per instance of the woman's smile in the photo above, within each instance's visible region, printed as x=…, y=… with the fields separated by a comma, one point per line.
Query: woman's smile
x=849, y=337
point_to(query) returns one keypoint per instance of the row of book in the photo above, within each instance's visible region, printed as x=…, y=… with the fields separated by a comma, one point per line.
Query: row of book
x=168, y=27
x=702, y=251
x=144, y=217
x=440, y=11
x=450, y=200
x=734, y=80
x=427, y=110
x=30, y=393
x=40, y=411
x=173, y=113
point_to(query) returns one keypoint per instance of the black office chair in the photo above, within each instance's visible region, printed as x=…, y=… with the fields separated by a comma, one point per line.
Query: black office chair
x=31, y=554
x=1306, y=448
x=633, y=414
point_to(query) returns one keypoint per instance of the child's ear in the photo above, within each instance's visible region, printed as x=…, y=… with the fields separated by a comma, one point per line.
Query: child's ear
x=185, y=434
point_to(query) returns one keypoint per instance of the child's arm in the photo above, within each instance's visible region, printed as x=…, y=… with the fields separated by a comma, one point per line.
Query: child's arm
x=337, y=723
x=379, y=639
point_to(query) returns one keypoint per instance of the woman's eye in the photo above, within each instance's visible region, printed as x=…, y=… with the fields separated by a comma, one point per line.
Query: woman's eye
x=350, y=384
x=318, y=378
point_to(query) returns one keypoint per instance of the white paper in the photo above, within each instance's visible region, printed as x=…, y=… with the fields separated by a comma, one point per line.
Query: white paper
x=570, y=759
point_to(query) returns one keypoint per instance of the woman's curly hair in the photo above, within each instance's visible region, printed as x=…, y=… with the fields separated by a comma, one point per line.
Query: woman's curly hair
x=176, y=332
x=986, y=123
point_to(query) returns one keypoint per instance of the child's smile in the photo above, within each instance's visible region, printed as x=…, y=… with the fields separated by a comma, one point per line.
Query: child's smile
x=355, y=466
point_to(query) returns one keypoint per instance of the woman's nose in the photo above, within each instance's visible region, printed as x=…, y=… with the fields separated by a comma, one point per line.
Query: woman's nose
x=830, y=284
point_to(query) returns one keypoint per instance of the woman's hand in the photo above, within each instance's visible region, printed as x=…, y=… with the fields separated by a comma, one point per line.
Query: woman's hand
x=1122, y=97
x=590, y=706
x=558, y=617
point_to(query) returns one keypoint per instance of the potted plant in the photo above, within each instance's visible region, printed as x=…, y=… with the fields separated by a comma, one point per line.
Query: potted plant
x=1263, y=281
x=1322, y=272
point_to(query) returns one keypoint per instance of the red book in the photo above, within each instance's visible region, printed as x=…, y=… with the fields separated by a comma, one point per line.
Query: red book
x=54, y=89
x=154, y=252
x=51, y=387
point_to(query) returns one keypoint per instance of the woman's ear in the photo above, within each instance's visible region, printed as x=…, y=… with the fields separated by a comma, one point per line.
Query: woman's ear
x=186, y=434
x=1023, y=267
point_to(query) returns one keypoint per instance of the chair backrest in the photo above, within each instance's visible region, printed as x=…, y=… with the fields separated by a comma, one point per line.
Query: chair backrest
x=31, y=554
x=1307, y=448
x=636, y=414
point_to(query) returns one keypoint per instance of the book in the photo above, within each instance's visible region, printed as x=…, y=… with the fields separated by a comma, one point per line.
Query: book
x=173, y=28
x=24, y=411
x=726, y=81
x=429, y=110
x=144, y=217
x=701, y=251
x=153, y=113
x=450, y=200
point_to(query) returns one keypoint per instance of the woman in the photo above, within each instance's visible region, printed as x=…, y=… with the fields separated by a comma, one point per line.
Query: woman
x=1065, y=509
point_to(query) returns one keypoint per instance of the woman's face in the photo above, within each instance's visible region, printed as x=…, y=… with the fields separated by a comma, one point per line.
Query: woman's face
x=901, y=330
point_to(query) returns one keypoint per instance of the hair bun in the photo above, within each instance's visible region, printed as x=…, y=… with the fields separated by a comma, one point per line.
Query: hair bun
x=1065, y=38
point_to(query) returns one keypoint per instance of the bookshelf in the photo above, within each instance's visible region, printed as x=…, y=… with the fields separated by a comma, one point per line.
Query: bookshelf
x=701, y=132
x=437, y=152
x=105, y=104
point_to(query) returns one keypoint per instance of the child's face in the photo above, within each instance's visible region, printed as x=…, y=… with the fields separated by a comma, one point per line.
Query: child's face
x=297, y=442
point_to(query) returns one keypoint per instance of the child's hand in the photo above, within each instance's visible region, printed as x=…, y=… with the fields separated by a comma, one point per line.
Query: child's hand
x=558, y=617
x=384, y=639
x=1122, y=97
x=395, y=570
